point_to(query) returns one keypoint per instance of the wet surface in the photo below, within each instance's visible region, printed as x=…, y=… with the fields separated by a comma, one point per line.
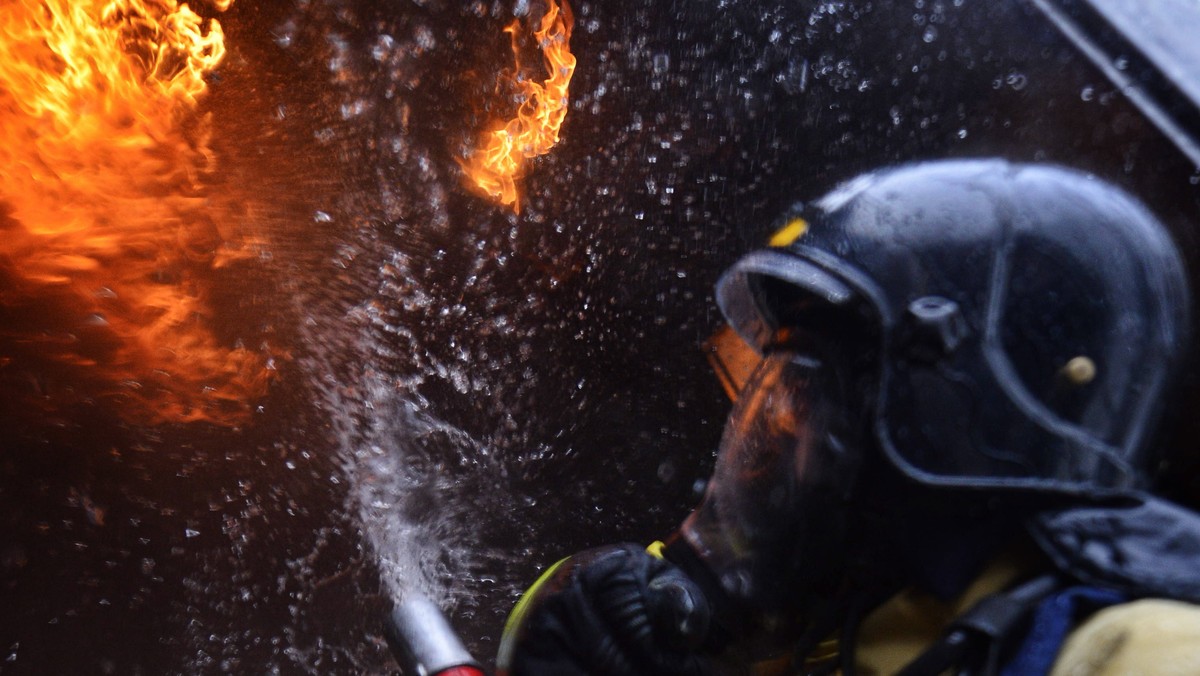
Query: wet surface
x=469, y=394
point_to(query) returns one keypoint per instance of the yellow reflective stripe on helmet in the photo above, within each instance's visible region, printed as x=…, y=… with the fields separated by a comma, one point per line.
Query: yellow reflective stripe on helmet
x=789, y=233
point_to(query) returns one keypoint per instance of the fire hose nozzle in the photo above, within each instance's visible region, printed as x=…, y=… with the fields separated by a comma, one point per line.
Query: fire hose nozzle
x=425, y=644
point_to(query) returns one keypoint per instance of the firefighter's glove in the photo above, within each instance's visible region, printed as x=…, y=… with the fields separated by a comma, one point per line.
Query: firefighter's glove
x=611, y=611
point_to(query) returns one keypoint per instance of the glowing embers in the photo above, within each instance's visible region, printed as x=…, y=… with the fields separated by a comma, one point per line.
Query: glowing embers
x=106, y=240
x=503, y=153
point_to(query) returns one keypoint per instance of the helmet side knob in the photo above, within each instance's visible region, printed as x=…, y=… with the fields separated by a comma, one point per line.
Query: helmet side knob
x=933, y=328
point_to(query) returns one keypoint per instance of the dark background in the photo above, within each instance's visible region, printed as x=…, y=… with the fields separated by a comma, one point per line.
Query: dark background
x=488, y=391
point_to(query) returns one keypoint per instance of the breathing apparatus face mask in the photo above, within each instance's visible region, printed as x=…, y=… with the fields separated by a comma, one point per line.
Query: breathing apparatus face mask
x=772, y=527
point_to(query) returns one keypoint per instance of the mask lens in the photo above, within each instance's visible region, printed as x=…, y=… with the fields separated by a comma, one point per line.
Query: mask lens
x=772, y=522
x=767, y=426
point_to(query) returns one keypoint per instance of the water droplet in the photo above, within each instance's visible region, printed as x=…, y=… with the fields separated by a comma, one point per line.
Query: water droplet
x=1088, y=93
x=666, y=471
x=285, y=35
x=424, y=37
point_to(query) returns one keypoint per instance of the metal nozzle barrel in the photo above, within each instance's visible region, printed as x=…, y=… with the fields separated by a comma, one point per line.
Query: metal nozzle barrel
x=425, y=644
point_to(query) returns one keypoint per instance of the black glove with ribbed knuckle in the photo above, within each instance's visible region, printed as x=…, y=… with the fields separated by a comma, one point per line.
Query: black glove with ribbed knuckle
x=611, y=611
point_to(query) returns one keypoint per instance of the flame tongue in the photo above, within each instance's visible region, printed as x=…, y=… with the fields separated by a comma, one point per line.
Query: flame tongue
x=105, y=227
x=503, y=153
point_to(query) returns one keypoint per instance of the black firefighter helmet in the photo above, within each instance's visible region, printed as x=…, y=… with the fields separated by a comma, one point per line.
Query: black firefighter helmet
x=1031, y=318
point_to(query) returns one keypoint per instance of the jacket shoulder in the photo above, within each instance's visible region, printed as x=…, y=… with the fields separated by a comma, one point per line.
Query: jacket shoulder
x=1153, y=637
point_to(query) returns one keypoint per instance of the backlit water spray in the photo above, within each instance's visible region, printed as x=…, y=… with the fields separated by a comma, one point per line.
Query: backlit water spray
x=402, y=369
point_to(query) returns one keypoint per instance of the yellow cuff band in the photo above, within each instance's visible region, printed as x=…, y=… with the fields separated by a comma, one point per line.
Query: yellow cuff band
x=655, y=549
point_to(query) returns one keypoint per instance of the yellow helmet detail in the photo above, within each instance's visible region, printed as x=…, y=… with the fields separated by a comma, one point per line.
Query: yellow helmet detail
x=789, y=233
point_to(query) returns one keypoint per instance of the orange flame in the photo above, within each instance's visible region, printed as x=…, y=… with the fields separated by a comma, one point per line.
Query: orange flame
x=504, y=152
x=105, y=233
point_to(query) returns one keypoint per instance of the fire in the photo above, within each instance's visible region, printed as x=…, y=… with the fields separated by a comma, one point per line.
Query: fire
x=105, y=234
x=504, y=152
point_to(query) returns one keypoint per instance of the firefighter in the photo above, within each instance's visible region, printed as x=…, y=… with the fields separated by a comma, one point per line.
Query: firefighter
x=944, y=460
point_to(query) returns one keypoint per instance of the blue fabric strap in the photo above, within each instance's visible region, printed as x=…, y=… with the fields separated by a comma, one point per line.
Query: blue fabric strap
x=1053, y=620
